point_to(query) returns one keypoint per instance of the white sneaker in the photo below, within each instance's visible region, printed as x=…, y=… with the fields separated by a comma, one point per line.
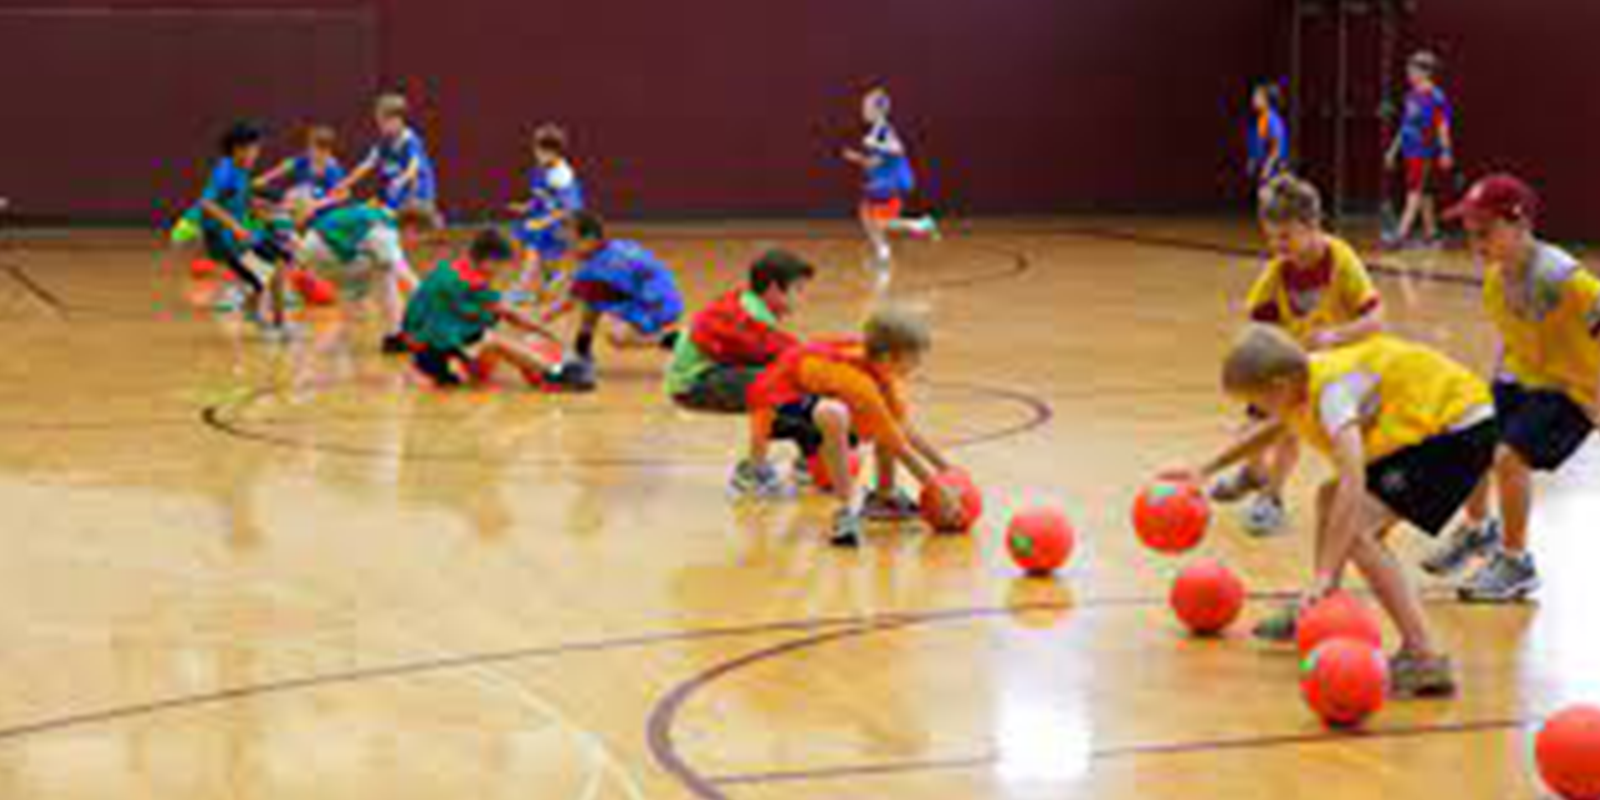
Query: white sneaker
x=1265, y=516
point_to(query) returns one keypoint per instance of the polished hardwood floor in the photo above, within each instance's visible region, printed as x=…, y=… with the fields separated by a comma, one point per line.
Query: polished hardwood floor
x=237, y=569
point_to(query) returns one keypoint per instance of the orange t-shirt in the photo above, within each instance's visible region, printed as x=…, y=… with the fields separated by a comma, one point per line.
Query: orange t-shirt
x=837, y=370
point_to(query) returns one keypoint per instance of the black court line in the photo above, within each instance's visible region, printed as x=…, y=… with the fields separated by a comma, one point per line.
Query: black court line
x=662, y=722
x=36, y=290
x=449, y=664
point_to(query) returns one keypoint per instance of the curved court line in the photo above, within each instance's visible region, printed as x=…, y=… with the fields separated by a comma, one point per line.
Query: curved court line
x=446, y=664
x=218, y=418
x=663, y=718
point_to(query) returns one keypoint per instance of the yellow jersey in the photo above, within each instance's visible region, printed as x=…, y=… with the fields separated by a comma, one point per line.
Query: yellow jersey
x=1400, y=394
x=1305, y=300
x=1549, y=324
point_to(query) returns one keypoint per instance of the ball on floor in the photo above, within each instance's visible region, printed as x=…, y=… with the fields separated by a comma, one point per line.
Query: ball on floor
x=1171, y=517
x=1567, y=749
x=1207, y=597
x=1040, y=540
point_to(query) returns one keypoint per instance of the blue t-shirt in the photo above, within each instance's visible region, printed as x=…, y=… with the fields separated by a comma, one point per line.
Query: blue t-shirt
x=1269, y=134
x=554, y=190
x=393, y=157
x=230, y=188
x=890, y=175
x=1426, y=114
x=303, y=176
x=629, y=282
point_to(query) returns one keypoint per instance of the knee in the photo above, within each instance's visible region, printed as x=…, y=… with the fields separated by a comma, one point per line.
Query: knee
x=832, y=417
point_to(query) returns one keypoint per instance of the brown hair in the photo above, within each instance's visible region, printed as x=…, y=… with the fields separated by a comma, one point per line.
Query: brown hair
x=1262, y=356
x=550, y=137
x=1290, y=199
x=894, y=330
x=321, y=137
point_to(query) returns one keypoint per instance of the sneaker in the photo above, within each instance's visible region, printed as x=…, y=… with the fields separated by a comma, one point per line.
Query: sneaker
x=1238, y=485
x=1265, y=516
x=896, y=505
x=751, y=479
x=846, y=529
x=1413, y=675
x=576, y=375
x=394, y=344
x=1506, y=578
x=1281, y=626
x=803, y=479
x=1463, y=544
x=928, y=228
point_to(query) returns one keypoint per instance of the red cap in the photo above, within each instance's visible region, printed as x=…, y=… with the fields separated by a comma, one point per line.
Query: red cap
x=1500, y=196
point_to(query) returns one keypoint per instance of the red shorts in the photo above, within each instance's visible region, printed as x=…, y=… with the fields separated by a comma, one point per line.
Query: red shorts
x=1419, y=174
x=882, y=210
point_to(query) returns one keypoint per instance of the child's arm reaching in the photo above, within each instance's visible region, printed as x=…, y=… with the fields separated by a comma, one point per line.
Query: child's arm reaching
x=275, y=174
x=216, y=212
x=925, y=448
x=1368, y=324
x=1253, y=441
x=357, y=175
x=1344, y=518
x=859, y=158
x=525, y=322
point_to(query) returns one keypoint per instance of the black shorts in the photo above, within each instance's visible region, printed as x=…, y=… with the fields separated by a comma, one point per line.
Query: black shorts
x=439, y=365
x=796, y=422
x=1546, y=428
x=1427, y=483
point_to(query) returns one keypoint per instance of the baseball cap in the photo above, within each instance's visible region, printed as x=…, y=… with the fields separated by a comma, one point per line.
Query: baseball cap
x=1499, y=196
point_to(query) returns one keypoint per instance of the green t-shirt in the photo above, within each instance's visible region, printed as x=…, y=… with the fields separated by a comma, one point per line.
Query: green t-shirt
x=452, y=308
x=345, y=228
x=689, y=364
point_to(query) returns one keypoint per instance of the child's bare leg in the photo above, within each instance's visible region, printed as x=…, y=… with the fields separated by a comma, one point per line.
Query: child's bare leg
x=1388, y=581
x=1430, y=219
x=499, y=348
x=1514, y=478
x=391, y=305
x=833, y=419
x=878, y=237
x=1408, y=217
x=888, y=470
x=531, y=279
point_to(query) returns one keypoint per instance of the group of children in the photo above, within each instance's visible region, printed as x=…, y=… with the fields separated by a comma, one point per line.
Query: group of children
x=1412, y=435
x=1422, y=150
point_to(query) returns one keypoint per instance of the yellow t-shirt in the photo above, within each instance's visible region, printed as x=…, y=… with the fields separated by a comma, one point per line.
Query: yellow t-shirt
x=1400, y=394
x=1305, y=300
x=1548, y=324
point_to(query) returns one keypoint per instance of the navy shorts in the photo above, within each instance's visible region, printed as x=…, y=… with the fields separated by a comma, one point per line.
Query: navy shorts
x=1545, y=428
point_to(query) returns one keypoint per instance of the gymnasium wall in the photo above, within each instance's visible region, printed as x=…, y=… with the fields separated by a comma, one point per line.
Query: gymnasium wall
x=690, y=108
x=1522, y=78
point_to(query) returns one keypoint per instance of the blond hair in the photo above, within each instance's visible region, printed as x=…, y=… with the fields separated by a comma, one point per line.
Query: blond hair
x=392, y=104
x=896, y=330
x=1289, y=199
x=1262, y=356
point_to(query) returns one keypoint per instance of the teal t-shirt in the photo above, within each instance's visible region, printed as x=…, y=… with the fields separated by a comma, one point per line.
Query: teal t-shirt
x=453, y=308
x=345, y=228
x=689, y=363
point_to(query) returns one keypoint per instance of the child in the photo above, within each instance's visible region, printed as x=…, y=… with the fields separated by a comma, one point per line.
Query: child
x=357, y=245
x=1269, y=138
x=316, y=174
x=1426, y=143
x=226, y=211
x=1411, y=435
x=554, y=193
x=732, y=340
x=844, y=389
x=401, y=160
x=1546, y=308
x=623, y=280
x=451, y=320
x=888, y=180
x=1317, y=289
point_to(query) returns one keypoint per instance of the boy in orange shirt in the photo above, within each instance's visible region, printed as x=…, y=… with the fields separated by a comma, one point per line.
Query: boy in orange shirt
x=846, y=389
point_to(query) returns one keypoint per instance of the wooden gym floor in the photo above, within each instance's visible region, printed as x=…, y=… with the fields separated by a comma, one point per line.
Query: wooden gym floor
x=238, y=570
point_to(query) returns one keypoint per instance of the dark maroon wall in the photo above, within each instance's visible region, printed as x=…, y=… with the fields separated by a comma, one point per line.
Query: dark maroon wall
x=740, y=106
x=1522, y=77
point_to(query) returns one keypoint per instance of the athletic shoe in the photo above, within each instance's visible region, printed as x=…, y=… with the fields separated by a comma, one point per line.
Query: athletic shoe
x=890, y=507
x=846, y=529
x=756, y=480
x=1265, y=516
x=1413, y=675
x=1506, y=578
x=1466, y=542
x=803, y=479
x=1281, y=626
x=1238, y=485
x=928, y=228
